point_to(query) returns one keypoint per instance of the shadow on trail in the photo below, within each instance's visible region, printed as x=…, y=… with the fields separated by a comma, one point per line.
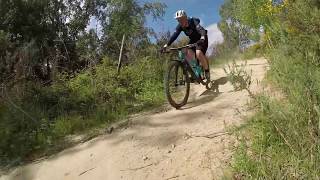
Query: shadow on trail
x=208, y=95
x=138, y=130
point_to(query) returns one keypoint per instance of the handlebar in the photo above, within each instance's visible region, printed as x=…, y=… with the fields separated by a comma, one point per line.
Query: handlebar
x=189, y=46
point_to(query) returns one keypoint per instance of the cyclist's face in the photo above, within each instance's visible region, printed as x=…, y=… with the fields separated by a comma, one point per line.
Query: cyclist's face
x=183, y=21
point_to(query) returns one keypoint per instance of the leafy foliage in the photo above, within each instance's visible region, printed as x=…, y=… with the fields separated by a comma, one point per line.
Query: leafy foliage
x=284, y=134
x=59, y=75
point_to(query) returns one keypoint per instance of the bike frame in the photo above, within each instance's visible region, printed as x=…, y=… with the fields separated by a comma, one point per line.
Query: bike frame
x=185, y=62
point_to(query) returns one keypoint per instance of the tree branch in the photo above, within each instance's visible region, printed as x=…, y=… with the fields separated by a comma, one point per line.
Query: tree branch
x=134, y=169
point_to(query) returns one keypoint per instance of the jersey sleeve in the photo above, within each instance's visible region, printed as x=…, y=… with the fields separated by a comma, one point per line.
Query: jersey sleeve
x=199, y=28
x=175, y=35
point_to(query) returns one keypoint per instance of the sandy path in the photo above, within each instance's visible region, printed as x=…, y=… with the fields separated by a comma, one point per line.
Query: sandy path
x=158, y=146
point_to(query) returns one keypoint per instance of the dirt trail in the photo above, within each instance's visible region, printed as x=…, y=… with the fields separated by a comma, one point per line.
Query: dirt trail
x=162, y=146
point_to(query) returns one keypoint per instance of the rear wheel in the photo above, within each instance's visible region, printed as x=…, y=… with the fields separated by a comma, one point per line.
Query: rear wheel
x=177, y=84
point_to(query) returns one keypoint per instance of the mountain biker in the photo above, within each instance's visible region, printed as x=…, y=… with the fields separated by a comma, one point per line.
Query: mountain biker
x=196, y=33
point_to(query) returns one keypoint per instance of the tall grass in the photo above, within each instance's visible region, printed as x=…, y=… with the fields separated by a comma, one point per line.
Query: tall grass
x=282, y=140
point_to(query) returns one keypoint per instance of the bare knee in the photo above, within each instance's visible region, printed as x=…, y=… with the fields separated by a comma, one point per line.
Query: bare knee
x=199, y=54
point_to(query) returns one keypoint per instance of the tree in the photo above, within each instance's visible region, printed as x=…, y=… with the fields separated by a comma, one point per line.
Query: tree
x=228, y=24
x=52, y=36
x=128, y=17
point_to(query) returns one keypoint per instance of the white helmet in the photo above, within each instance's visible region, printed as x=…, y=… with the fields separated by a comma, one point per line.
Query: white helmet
x=180, y=13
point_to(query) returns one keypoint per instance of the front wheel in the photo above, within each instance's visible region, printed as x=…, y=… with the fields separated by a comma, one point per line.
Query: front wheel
x=177, y=84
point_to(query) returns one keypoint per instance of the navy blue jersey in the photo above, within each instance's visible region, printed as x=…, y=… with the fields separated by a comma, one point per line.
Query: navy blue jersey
x=194, y=31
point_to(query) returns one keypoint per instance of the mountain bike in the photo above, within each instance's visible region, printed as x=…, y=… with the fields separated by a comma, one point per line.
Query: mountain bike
x=181, y=72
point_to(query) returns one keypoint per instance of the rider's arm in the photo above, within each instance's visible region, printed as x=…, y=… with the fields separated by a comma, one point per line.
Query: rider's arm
x=200, y=29
x=175, y=35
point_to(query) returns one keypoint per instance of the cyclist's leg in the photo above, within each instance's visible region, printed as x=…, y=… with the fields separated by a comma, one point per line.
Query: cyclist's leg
x=204, y=50
x=203, y=59
x=201, y=50
x=200, y=53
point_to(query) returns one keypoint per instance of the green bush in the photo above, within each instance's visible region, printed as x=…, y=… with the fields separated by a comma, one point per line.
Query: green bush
x=43, y=115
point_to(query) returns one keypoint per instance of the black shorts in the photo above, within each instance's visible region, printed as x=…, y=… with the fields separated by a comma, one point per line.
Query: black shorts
x=203, y=47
